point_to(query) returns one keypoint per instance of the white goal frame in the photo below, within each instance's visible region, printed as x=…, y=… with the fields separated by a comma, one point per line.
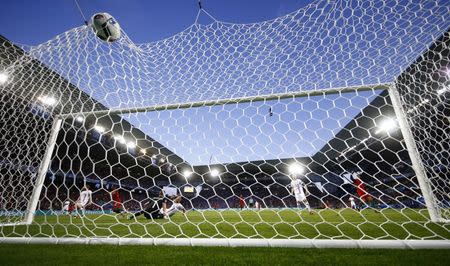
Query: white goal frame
x=423, y=181
x=237, y=242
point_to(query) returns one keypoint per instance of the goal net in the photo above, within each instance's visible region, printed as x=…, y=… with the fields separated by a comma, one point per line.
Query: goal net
x=324, y=127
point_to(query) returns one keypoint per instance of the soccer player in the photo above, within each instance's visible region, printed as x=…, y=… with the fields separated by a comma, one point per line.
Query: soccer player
x=251, y=202
x=371, y=203
x=352, y=203
x=298, y=189
x=241, y=202
x=157, y=208
x=117, y=202
x=71, y=208
x=65, y=209
x=176, y=207
x=360, y=188
x=84, y=199
x=363, y=195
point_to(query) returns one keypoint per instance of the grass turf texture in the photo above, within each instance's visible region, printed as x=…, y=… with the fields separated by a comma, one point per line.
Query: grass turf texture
x=287, y=223
x=142, y=255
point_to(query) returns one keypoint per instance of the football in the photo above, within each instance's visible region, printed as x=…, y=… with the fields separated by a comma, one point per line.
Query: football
x=106, y=27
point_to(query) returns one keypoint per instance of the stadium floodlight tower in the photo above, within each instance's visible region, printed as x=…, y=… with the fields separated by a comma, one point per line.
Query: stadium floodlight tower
x=126, y=131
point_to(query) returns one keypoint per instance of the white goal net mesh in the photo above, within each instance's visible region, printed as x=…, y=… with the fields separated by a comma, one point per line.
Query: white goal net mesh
x=327, y=123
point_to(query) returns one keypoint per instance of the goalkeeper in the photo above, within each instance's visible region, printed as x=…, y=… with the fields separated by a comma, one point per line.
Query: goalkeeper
x=157, y=208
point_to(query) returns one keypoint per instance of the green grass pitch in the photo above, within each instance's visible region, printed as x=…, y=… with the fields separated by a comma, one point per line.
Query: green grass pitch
x=267, y=223
x=160, y=255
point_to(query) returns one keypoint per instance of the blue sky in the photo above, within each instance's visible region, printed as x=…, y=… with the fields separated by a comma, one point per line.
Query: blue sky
x=342, y=44
x=34, y=22
x=246, y=132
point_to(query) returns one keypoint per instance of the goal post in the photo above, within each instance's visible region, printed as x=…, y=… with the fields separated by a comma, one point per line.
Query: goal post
x=42, y=172
x=417, y=165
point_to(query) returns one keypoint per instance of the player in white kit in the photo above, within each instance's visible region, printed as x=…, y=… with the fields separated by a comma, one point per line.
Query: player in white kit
x=176, y=206
x=298, y=189
x=352, y=203
x=84, y=199
x=257, y=205
x=65, y=208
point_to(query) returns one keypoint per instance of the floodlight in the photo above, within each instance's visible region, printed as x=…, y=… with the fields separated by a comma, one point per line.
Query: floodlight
x=187, y=173
x=79, y=118
x=47, y=100
x=447, y=72
x=3, y=78
x=120, y=139
x=99, y=129
x=387, y=125
x=296, y=169
x=443, y=90
x=214, y=173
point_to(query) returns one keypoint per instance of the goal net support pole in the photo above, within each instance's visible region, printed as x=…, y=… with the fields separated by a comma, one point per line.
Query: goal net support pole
x=411, y=147
x=31, y=209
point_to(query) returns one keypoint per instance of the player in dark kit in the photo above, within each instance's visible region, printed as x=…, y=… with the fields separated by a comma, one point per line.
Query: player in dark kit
x=152, y=210
x=157, y=208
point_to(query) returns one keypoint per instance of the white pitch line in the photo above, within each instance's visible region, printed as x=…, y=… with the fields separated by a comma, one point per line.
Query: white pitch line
x=231, y=223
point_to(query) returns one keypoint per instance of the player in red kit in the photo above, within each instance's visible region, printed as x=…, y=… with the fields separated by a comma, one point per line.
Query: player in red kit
x=117, y=202
x=361, y=189
x=362, y=193
x=71, y=208
x=241, y=202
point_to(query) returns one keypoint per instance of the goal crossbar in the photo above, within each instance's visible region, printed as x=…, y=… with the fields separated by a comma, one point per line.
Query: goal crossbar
x=268, y=97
